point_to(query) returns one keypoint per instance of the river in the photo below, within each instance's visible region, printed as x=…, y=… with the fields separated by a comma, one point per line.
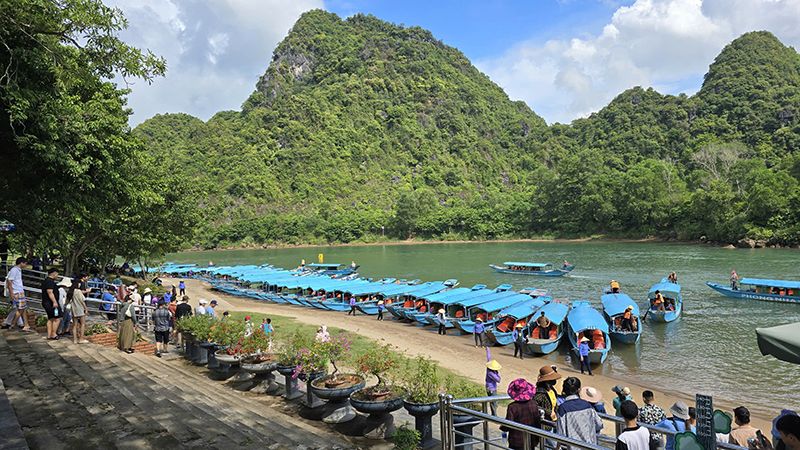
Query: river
x=711, y=349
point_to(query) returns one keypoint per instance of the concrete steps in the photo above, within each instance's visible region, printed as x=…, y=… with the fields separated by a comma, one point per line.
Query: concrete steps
x=86, y=396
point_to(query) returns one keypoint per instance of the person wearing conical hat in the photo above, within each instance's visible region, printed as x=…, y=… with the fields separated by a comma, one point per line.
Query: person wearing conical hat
x=442, y=322
x=518, y=338
x=627, y=319
x=492, y=378
x=477, y=331
x=380, y=309
x=583, y=351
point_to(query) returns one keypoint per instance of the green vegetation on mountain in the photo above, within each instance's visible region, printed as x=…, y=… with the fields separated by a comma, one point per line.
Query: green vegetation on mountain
x=360, y=127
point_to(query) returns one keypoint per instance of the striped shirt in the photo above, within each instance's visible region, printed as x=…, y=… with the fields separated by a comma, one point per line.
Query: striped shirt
x=578, y=420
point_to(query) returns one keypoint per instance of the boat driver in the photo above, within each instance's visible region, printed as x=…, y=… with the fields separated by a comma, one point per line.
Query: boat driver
x=544, y=326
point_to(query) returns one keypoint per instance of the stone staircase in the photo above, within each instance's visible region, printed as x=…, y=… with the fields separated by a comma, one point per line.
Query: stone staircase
x=68, y=396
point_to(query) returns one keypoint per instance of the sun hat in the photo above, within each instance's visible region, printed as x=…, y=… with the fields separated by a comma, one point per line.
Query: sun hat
x=441, y=310
x=380, y=302
x=66, y=282
x=546, y=373
x=584, y=339
x=591, y=394
x=629, y=307
x=494, y=365
x=785, y=412
x=203, y=301
x=520, y=390
x=147, y=290
x=618, y=389
x=245, y=317
x=680, y=410
x=478, y=320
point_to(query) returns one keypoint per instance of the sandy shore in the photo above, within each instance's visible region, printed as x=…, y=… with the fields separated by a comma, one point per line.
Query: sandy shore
x=456, y=353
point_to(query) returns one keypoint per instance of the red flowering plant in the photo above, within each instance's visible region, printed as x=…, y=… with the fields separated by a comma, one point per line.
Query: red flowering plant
x=381, y=362
x=256, y=347
x=227, y=335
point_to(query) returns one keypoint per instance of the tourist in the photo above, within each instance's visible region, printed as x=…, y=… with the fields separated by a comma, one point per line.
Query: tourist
x=744, y=431
x=614, y=287
x=127, y=332
x=85, y=288
x=352, y=305
x=583, y=352
x=519, y=339
x=248, y=326
x=623, y=393
x=380, y=310
x=182, y=310
x=576, y=418
x=50, y=303
x=566, y=264
x=651, y=414
x=677, y=423
x=788, y=428
x=322, y=334
x=161, y=318
x=595, y=398
x=777, y=442
x=16, y=291
x=492, y=378
x=173, y=309
x=174, y=293
x=108, y=304
x=36, y=263
x=266, y=326
x=148, y=297
x=524, y=411
x=201, y=308
x=633, y=437
x=210, y=309
x=63, y=302
x=442, y=322
x=477, y=332
x=181, y=288
x=544, y=326
x=734, y=280
x=78, y=307
x=692, y=417
x=546, y=391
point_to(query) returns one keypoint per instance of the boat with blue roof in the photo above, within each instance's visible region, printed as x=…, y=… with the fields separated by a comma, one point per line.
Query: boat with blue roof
x=622, y=315
x=490, y=312
x=537, y=343
x=672, y=301
x=500, y=330
x=585, y=321
x=527, y=268
x=762, y=289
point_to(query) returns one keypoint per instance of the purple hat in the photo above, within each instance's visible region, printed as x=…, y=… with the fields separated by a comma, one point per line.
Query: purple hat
x=520, y=390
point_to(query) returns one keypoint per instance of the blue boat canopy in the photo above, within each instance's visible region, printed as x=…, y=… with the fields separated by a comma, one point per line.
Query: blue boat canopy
x=614, y=304
x=584, y=317
x=554, y=311
x=525, y=264
x=522, y=309
x=771, y=283
x=672, y=290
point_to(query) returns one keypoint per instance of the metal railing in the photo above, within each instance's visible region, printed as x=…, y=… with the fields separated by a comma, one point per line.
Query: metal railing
x=456, y=435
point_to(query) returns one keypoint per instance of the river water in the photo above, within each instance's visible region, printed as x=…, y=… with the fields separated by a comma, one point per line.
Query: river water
x=711, y=349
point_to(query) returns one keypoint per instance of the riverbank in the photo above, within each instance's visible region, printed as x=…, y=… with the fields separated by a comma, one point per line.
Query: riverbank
x=458, y=354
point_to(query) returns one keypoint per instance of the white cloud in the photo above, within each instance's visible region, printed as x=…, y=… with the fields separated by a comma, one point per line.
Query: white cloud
x=666, y=44
x=215, y=50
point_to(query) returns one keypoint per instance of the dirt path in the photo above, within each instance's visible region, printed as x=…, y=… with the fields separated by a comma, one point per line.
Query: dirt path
x=456, y=353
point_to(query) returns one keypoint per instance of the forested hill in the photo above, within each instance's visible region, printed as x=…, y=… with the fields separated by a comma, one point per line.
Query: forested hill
x=361, y=127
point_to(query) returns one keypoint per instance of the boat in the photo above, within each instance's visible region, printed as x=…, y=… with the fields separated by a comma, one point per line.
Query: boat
x=500, y=330
x=557, y=313
x=614, y=307
x=762, y=289
x=672, y=296
x=526, y=268
x=455, y=310
x=585, y=321
x=434, y=301
x=331, y=269
x=490, y=312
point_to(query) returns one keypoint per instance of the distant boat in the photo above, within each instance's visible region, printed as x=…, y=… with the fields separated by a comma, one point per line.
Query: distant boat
x=673, y=301
x=331, y=269
x=585, y=321
x=614, y=307
x=761, y=289
x=526, y=268
x=557, y=313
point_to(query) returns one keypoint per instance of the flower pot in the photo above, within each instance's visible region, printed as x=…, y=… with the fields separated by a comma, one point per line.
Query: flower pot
x=227, y=359
x=212, y=357
x=423, y=414
x=467, y=429
x=338, y=408
x=310, y=400
x=380, y=423
x=290, y=383
x=202, y=352
x=263, y=381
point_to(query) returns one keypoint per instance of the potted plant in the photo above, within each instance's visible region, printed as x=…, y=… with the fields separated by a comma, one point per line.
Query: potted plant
x=380, y=400
x=423, y=384
x=202, y=332
x=311, y=364
x=336, y=387
x=257, y=361
x=224, y=335
x=461, y=388
x=288, y=349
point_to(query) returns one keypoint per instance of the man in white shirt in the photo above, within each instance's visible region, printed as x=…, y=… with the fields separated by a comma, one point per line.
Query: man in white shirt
x=201, y=310
x=633, y=437
x=16, y=292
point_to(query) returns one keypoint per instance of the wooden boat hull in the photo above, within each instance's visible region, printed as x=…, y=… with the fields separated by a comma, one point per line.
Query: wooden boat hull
x=750, y=295
x=543, y=273
x=499, y=337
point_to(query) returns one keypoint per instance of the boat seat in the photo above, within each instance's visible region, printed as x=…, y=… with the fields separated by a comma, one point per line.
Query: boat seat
x=408, y=304
x=459, y=314
x=506, y=325
x=423, y=309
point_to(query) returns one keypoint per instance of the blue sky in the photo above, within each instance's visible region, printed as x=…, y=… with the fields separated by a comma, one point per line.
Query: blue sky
x=564, y=58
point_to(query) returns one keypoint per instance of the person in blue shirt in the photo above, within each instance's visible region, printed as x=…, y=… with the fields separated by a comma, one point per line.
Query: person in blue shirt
x=108, y=296
x=583, y=351
x=210, y=308
x=380, y=310
x=676, y=423
x=623, y=394
x=478, y=330
x=182, y=288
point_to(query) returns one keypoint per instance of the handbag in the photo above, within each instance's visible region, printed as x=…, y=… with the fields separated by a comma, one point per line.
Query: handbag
x=128, y=312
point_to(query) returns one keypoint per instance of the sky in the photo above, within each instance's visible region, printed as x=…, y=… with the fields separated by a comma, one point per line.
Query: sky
x=564, y=58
